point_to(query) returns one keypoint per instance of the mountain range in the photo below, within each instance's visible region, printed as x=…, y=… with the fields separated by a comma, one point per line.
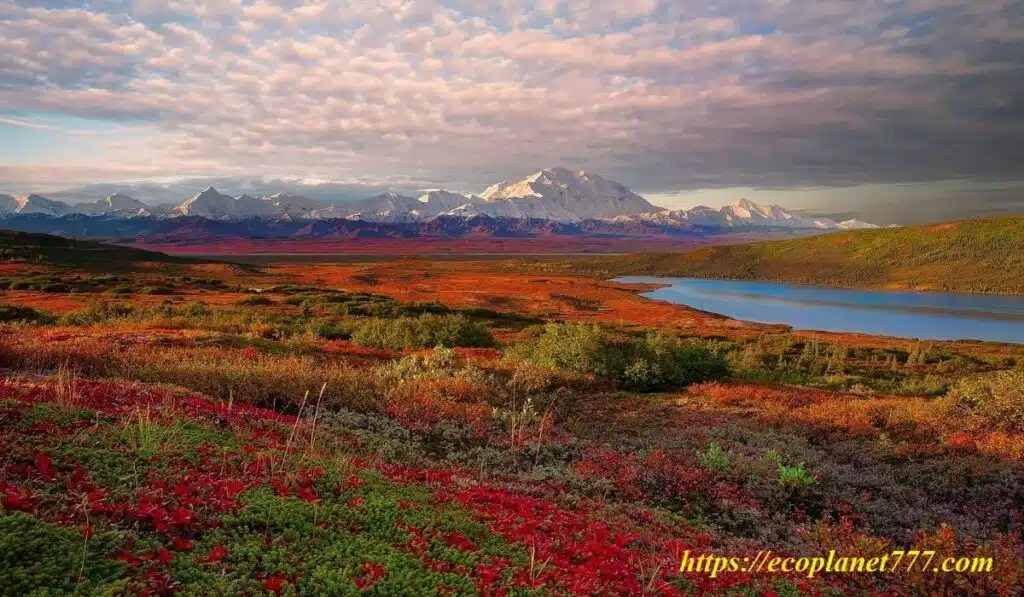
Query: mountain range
x=553, y=195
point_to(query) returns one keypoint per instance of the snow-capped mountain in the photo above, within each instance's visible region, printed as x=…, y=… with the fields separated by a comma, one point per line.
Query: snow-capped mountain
x=217, y=206
x=32, y=204
x=395, y=208
x=854, y=224
x=742, y=214
x=554, y=194
x=114, y=204
x=294, y=206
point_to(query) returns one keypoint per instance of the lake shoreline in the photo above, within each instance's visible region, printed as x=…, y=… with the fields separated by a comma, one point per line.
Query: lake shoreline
x=930, y=316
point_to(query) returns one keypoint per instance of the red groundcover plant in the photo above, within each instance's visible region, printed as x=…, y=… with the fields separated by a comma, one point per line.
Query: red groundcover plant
x=156, y=492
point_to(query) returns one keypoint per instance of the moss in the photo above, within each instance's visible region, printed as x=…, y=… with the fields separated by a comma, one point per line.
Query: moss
x=37, y=558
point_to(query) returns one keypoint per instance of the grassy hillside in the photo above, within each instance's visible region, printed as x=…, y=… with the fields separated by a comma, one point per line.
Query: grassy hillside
x=57, y=250
x=965, y=256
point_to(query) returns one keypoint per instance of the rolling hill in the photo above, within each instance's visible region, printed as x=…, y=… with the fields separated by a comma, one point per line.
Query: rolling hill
x=983, y=256
x=56, y=250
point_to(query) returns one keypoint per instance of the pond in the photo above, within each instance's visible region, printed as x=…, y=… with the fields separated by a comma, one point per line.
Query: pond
x=923, y=315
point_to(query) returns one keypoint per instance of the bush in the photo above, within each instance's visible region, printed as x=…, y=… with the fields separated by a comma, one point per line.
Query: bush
x=99, y=313
x=157, y=290
x=332, y=330
x=575, y=347
x=15, y=313
x=255, y=301
x=426, y=331
x=56, y=287
x=714, y=459
x=795, y=476
x=996, y=399
x=679, y=362
x=649, y=363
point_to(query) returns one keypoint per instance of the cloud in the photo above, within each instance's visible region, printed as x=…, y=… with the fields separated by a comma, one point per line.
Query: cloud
x=664, y=96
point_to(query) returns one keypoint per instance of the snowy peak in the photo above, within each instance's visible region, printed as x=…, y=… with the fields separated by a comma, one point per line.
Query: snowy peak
x=295, y=206
x=559, y=191
x=121, y=201
x=7, y=204
x=205, y=203
x=744, y=213
x=854, y=224
x=37, y=204
x=117, y=204
x=445, y=199
x=217, y=206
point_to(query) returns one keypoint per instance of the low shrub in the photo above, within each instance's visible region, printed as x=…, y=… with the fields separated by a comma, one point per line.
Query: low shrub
x=255, y=301
x=16, y=313
x=714, y=459
x=333, y=330
x=795, y=476
x=652, y=362
x=575, y=347
x=157, y=290
x=426, y=331
x=98, y=313
x=55, y=287
x=996, y=399
x=244, y=376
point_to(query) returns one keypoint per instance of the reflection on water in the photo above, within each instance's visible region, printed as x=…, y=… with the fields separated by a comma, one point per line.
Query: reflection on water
x=924, y=315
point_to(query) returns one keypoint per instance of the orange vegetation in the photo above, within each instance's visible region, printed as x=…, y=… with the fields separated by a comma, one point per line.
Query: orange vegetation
x=477, y=284
x=917, y=424
x=441, y=245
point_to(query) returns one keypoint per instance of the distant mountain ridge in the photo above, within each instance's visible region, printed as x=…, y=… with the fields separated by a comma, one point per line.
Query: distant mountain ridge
x=555, y=194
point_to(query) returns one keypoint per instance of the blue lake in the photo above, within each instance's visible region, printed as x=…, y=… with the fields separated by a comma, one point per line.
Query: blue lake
x=924, y=315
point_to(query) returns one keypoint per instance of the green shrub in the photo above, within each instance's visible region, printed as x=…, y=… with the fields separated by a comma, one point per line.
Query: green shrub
x=714, y=459
x=332, y=330
x=157, y=290
x=575, y=347
x=102, y=312
x=256, y=301
x=642, y=375
x=997, y=399
x=679, y=362
x=795, y=476
x=421, y=332
x=649, y=363
x=15, y=313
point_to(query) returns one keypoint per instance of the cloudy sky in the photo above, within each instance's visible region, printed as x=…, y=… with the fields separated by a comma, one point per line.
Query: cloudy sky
x=868, y=106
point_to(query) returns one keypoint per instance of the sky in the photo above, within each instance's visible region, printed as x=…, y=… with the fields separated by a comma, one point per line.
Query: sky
x=899, y=109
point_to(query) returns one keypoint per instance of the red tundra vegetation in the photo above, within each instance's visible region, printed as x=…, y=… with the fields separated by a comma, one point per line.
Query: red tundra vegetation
x=332, y=430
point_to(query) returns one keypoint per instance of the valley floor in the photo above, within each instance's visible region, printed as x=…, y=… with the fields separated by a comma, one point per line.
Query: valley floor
x=484, y=244
x=212, y=429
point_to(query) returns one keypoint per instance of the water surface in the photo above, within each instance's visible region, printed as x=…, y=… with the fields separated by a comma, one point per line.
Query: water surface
x=924, y=315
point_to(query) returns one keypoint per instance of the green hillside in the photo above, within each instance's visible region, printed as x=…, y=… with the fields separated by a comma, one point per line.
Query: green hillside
x=984, y=255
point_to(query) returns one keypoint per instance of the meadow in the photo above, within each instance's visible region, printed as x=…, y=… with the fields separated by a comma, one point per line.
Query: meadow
x=415, y=427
